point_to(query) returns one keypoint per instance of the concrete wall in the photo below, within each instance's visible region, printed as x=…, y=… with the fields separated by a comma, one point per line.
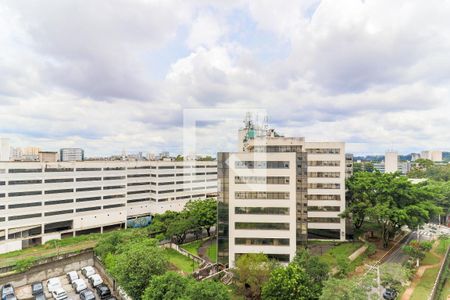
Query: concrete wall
x=51, y=269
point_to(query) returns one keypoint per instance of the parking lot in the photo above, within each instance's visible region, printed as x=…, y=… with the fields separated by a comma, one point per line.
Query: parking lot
x=24, y=292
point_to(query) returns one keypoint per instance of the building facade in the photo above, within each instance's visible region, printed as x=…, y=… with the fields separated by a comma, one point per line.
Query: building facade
x=71, y=154
x=433, y=155
x=391, y=162
x=277, y=194
x=4, y=149
x=42, y=201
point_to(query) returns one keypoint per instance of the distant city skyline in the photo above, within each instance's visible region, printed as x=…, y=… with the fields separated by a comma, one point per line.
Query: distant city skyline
x=374, y=74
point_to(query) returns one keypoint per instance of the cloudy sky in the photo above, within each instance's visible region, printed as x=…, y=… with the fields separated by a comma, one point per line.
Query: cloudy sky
x=112, y=75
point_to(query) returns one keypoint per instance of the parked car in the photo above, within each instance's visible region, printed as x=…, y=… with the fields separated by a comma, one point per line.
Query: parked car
x=390, y=294
x=111, y=298
x=79, y=285
x=88, y=271
x=95, y=280
x=40, y=297
x=10, y=297
x=53, y=284
x=59, y=294
x=87, y=294
x=7, y=290
x=103, y=291
x=71, y=276
x=37, y=288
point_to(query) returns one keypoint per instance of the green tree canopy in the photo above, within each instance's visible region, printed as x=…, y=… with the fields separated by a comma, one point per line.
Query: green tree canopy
x=289, y=283
x=250, y=274
x=389, y=200
x=203, y=213
x=135, y=265
x=173, y=286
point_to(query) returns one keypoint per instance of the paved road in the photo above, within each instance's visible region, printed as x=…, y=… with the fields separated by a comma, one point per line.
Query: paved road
x=428, y=232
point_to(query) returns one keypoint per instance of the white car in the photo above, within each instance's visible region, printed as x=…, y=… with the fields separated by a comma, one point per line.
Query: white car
x=79, y=285
x=88, y=271
x=95, y=280
x=72, y=276
x=53, y=284
x=59, y=294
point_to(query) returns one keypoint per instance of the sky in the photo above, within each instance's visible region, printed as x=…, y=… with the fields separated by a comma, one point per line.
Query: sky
x=114, y=75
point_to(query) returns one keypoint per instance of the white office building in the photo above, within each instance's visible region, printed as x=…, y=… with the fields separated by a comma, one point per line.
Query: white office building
x=278, y=193
x=71, y=154
x=42, y=201
x=4, y=149
x=391, y=162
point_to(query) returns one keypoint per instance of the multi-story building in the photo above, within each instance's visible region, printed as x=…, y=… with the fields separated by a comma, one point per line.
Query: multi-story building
x=4, y=149
x=391, y=162
x=71, y=154
x=42, y=201
x=278, y=193
x=433, y=155
x=348, y=165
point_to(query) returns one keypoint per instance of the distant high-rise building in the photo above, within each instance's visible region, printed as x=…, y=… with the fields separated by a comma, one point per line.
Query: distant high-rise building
x=30, y=153
x=433, y=155
x=4, y=149
x=16, y=154
x=164, y=154
x=391, y=162
x=71, y=154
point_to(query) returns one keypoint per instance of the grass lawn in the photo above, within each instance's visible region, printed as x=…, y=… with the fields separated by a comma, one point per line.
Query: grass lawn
x=181, y=262
x=445, y=291
x=211, y=252
x=341, y=250
x=192, y=247
x=49, y=249
x=423, y=288
x=430, y=259
x=443, y=245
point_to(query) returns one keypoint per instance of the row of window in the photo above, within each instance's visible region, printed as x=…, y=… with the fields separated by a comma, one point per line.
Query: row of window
x=324, y=163
x=324, y=208
x=323, y=151
x=332, y=186
x=324, y=174
x=324, y=197
x=323, y=220
x=261, y=195
x=261, y=241
x=261, y=180
x=261, y=164
x=260, y=226
x=262, y=210
x=50, y=170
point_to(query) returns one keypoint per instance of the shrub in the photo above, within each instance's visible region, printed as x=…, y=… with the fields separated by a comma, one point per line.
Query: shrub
x=24, y=264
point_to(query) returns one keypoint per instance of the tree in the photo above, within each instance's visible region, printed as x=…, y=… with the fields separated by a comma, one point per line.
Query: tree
x=389, y=200
x=207, y=290
x=251, y=272
x=289, y=283
x=417, y=250
x=173, y=286
x=169, y=286
x=318, y=271
x=135, y=265
x=203, y=213
x=344, y=289
x=393, y=275
x=178, y=228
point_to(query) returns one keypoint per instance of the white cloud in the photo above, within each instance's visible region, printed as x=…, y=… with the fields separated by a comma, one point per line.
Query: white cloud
x=373, y=73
